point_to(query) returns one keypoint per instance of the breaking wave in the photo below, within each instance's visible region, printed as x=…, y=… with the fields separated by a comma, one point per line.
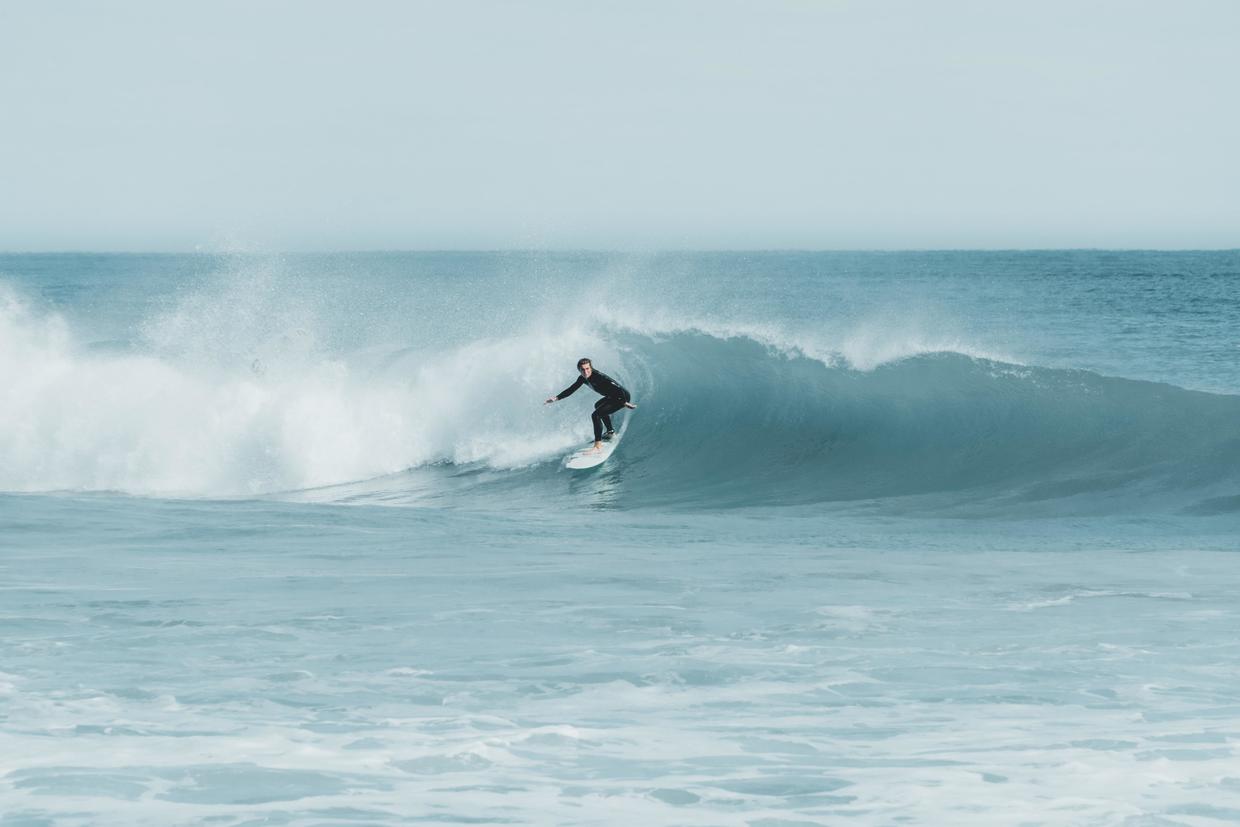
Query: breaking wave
x=727, y=418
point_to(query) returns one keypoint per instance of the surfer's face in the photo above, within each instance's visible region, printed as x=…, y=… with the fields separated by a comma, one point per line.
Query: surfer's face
x=586, y=370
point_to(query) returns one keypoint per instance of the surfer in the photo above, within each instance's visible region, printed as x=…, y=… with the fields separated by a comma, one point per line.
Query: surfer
x=614, y=398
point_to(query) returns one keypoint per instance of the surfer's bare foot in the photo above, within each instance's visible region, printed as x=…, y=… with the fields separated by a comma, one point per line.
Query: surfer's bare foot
x=597, y=446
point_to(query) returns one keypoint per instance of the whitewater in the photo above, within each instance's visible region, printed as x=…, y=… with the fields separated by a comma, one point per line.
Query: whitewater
x=938, y=537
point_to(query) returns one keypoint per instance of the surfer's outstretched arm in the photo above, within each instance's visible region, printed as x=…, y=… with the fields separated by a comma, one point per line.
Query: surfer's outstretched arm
x=569, y=391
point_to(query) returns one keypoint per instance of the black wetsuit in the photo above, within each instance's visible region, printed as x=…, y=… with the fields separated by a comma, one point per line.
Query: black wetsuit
x=614, y=398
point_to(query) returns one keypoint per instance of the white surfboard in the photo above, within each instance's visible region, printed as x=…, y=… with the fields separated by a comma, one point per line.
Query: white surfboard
x=588, y=457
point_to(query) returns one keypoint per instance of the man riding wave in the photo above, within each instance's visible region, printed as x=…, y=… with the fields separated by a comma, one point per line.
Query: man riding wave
x=614, y=398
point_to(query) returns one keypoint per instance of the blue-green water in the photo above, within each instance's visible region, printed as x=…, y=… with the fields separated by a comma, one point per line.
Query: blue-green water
x=915, y=537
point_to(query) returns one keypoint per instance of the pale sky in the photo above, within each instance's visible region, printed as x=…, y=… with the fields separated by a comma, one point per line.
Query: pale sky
x=130, y=125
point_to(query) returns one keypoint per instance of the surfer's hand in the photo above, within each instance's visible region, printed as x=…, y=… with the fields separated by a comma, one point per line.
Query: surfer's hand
x=629, y=405
x=549, y=401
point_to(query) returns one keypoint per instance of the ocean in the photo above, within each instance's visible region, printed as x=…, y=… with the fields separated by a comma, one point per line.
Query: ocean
x=934, y=538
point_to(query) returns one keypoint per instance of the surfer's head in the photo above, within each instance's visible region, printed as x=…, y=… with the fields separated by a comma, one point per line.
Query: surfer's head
x=584, y=367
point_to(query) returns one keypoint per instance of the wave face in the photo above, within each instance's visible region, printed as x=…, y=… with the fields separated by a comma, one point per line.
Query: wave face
x=250, y=394
x=735, y=424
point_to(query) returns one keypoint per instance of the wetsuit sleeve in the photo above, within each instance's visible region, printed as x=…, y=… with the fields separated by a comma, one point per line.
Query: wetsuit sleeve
x=571, y=389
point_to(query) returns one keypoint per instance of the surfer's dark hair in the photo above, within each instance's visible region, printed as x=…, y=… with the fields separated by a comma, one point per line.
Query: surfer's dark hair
x=581, y=362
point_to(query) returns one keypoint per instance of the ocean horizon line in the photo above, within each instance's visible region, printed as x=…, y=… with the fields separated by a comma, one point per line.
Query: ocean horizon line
x=607, y=251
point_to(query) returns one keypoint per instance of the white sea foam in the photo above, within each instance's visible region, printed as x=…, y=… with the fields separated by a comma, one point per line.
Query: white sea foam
x=193, y=412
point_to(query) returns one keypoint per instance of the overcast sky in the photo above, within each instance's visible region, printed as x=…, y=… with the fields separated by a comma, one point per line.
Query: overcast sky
x=637, y=125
